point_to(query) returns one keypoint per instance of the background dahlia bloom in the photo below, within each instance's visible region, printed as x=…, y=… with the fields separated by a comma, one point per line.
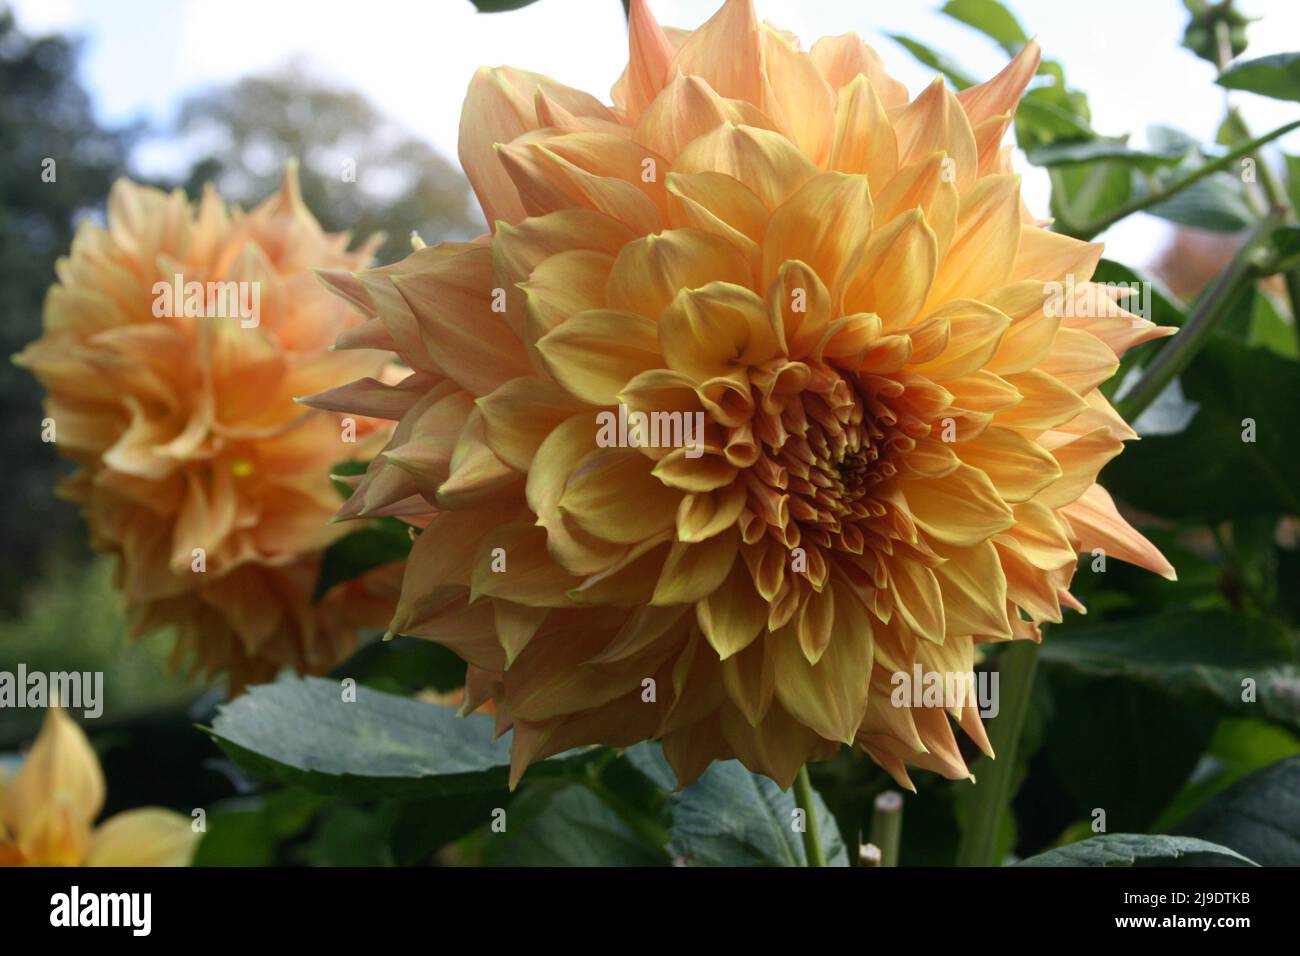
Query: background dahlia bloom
x=48, y=810
x=186, y=428
x=901, y=438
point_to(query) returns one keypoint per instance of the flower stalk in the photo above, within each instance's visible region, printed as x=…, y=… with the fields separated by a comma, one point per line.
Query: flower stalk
x=1018, y=663
x=812, y=838
x=1213, y=305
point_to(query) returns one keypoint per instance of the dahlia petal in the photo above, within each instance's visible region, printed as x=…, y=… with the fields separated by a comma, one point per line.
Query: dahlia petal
x=1079, y=360
x=935, y=121
x=1018, y=467
x=144, y=837
x=842, y=58
x=1045, y=256
x=824, y=224
x=595, y=171
x=710, y=470
x=686, y=109
x=718, y=204
x=595, y=353
x=1040, y=537
x=530, y=577
x=61, y=765
x=974, y=592
x=1045, y=402
x=451, y=301
x=649, y=272
x=650, y=52
x=974, y=332
x=830, y=696
x=1096, y=523
x=922, y=185
x=750, y=680
x=701, y=516
x=561, y=286
x=962, y=508
x=706, y=332
x=918, y=600
x=726, y=52
x=816, y=622
x=499, y=107
x=1032, y=330
x=732, y=615
x=864, y=140
x=1002, y=92
x=777, y=746
x=799, y=306
x=613, y=494
x=893, y=273
x=1080, y=459
x=476, y=476
x=519, y=415
x=984, y=245
x=574, y=549
x=693, y=571
x=519, y=249
x=766, y=163
x=797, y=94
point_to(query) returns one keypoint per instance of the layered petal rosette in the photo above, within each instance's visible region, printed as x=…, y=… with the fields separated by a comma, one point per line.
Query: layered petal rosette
x=756, y=395
x=175, y=342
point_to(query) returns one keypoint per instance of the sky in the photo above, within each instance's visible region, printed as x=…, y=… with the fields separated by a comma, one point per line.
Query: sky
x=414, y=58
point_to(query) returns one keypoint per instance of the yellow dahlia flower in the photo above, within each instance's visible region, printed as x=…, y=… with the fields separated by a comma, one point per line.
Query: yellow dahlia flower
x=197, y=467
x=751, y=399
x=48, y=810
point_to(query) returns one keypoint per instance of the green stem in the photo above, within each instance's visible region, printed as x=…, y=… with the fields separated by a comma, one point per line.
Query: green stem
x=812, y=838
x=1212, y=306
x=887, y=826
x=1017, y=665
x=1090, y=229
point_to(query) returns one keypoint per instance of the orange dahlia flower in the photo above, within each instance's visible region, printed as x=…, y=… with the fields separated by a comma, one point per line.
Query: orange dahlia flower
x=48, y=809
x=174, y=344
x=753, y=398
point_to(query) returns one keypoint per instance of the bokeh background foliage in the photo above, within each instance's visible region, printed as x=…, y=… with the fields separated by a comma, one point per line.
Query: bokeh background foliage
x=1135, y=710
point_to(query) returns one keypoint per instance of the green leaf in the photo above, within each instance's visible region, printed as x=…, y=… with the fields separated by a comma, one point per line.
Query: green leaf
x=1127, y=849
x=1096, y=150
x=731, y=817
x=648, y=758
x=1239, y=748
x=404, y=665
x=1216, y=203
x=557, y=824
x=1269, y=329
x=1258, y=816
x=500, y=6
x=1286, y=248
x=302, y=731
x=1208, y=472
x=1199, y=658
x=1083, y=193
x=361, y=551
x=1277, y=76
x=936, y=61
x=1117, y=746
x=992, y=19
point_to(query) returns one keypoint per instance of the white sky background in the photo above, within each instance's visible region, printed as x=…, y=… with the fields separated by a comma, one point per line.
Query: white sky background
x=414, y=58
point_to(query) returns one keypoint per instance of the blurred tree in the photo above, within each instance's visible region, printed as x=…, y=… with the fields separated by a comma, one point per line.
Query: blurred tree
x=360, y=170
x=58, y=165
